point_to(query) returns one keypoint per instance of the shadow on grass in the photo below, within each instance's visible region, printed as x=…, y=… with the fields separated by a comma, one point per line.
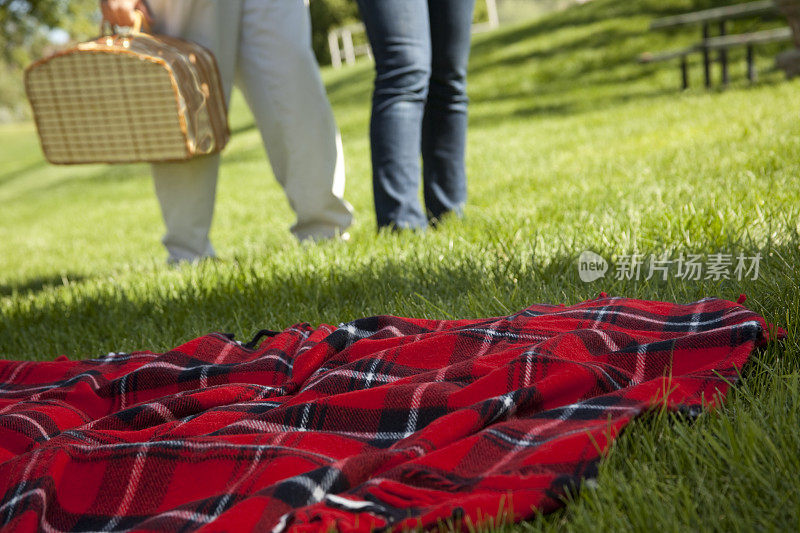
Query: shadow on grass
x=591, y=13
x=566, y=51
x=163, y=311
x=355, y=88
x=8, y=177
x=243, y=128
x=34, y=285
x=575, y=106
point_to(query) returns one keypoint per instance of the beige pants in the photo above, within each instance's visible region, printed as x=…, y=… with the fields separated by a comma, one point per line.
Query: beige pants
x=265, y=46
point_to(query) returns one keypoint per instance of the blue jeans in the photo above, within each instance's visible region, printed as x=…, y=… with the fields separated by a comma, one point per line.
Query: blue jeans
x=419, y=106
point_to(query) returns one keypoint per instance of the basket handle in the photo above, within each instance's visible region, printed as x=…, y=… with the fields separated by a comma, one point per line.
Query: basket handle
x=140, y=25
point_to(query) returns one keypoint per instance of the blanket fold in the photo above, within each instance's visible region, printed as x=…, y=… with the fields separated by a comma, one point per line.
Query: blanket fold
x=380, y=423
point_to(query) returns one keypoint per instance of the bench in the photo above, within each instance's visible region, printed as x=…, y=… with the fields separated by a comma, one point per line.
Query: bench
x=723, y=41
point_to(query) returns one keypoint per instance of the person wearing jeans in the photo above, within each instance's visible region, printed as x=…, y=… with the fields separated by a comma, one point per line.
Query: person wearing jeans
x=265, y=47
x=419, y=107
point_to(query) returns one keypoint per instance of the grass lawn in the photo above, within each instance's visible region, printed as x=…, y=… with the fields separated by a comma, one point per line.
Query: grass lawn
x=572, y=146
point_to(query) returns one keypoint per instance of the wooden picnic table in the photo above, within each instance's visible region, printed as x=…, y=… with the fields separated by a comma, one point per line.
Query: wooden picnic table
x=719, y=16
x=716, y=14
x=788, y=60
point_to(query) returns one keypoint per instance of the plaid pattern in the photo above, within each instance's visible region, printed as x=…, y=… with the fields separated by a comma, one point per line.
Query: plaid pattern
x=383, y=422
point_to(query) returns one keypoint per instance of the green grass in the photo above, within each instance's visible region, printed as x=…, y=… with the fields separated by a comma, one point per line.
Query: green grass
x=572, y=146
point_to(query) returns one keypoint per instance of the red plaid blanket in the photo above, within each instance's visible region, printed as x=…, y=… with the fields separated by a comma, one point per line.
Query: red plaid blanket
x=383, y=422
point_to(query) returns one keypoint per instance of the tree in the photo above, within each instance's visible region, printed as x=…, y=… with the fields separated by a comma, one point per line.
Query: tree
x=326, y=15
x=25, y=26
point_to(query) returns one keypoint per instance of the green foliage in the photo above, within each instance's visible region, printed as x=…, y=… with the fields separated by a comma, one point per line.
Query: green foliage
x=24, y=27
x=24, y=23
x=326, y=15
x=481, y=11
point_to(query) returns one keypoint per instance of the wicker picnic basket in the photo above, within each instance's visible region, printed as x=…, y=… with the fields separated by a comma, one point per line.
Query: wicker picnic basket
x=128, y=97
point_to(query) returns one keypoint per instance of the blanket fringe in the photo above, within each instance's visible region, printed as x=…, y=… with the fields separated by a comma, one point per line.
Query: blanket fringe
x=253, y=344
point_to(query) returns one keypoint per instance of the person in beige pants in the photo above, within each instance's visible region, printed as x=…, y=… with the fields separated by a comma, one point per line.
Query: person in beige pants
x=265, y=47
